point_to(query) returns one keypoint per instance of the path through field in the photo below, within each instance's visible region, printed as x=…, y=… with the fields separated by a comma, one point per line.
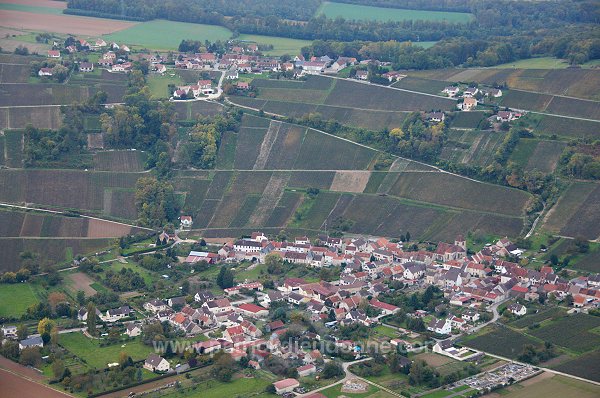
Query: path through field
x=267, y=145
x=269, y=199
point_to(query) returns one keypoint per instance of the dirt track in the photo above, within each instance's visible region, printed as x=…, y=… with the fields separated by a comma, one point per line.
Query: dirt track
x=68, y=24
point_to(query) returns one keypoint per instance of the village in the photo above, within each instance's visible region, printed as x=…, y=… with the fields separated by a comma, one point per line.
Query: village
x=245, y=320
x=241, y=59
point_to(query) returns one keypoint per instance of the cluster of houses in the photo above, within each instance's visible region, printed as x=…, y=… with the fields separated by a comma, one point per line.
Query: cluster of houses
x=202, y=87
x=470, y=95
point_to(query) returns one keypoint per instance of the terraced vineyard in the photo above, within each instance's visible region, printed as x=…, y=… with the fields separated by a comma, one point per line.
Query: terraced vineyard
x=346, y=101
x=580, y=83
x=576, y=212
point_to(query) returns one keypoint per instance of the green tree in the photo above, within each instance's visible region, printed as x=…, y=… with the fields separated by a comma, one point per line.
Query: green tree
x=155, y=202
x=225, y=278
x=22, y=332
x=332, y=369
x=274, y=263
x=91, y=319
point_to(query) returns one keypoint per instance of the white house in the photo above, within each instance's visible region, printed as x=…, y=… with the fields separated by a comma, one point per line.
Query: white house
x=186, y=221
x=31, y=342
x=133, y=330
x=440, y=326
x=306, y=370
x=517, y=309
x=285, y=385
x=9, y=331
x=451, y=91
x=156, y=363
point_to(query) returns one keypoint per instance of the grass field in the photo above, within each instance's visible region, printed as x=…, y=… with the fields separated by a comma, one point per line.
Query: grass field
x=536, y=63
x=153, y=34
x=89, y=350
x=30, y=8
x=15, y=298
x=358, y=12
x=159, y=85
x=281, y=45
x=254, y=387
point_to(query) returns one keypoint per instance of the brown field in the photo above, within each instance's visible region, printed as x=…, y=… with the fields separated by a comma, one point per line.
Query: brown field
x=68, y=24
x=14, y=386
x=40, y=117
x=350, y=181
x=434, y=360
x=106, y=229
x=82, y=282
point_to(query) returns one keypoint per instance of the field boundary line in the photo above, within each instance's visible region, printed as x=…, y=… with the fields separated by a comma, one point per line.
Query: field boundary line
x=64, y=215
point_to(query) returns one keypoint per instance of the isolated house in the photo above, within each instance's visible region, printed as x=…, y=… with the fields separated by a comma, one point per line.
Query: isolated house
x=156, y=363
x=45, y=72
x=53, y=54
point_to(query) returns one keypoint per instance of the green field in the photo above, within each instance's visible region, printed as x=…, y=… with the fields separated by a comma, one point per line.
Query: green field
x=89, y=350
x=28, y=8
x=167, y=35
x=536, y=63
x=15, y=298
x=281, y=45
x=241, y=387
x=358, y=12
x=159, y=85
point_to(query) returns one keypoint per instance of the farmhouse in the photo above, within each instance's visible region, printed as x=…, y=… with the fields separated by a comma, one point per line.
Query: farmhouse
x=313, y=68
x=362, y=75
x=253, y=310
x=440, y=326
x=133, y=330
x=53, y=54
x=31, y=342
x=451, y=91
x=232, y=74
x=45, y=72
x=468, y=104
x=186, y=221
x=470, y=92
x=517, y=309
x=116, y=314
x=9, y=331
x=86, y=67
x=306, y=370
x=156, y=363
x=505, y=116
x=285, y=385
x=436, y=117
x=155, y=306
